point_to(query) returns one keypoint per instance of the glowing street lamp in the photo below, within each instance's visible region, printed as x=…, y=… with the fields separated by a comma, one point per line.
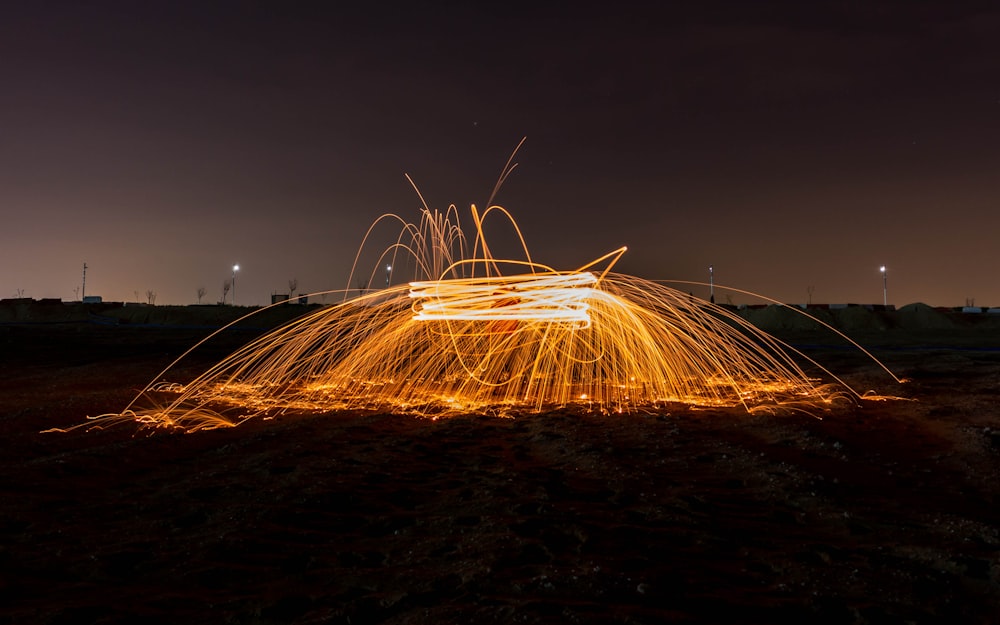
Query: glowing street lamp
x=235, y=269
x=885, y=290
x=388, y=273
x=711, y=283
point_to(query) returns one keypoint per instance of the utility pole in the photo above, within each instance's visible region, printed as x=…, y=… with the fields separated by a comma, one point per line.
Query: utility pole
x=83, y=293
x=711, y=284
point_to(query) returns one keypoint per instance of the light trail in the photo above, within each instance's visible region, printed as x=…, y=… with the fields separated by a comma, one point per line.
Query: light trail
x=465, y=337
x=548, y=297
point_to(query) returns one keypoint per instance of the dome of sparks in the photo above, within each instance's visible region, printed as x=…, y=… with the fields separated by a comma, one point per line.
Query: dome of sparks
x=471, y=333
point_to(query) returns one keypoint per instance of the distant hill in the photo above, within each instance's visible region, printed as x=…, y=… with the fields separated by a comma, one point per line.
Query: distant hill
x=913, y=322
x=27, y=311
x=868, y=324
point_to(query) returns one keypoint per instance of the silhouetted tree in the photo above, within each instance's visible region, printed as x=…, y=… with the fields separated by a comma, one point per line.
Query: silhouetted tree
x=292, y=285
x=150, y=297
x=225, y=290
x=201, y=293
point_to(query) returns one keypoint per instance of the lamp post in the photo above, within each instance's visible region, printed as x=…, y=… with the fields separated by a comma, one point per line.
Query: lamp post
x=235, y=269
x=388, y=273
x=711, y=283
x=885, y=289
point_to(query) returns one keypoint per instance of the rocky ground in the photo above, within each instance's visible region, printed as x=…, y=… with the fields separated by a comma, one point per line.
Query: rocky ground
x=883, y=513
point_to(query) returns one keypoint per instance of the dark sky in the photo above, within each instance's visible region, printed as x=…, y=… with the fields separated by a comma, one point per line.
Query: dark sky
x=792, y=145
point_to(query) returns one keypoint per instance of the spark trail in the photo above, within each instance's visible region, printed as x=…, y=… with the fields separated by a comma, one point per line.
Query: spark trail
x=474, y=334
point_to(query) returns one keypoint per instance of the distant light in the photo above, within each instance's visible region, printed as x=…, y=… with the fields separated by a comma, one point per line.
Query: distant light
x=235, y=269
x=882, y=268
x=388, y=267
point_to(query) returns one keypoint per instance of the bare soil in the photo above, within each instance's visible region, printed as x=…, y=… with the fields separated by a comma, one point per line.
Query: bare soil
x=882, y=513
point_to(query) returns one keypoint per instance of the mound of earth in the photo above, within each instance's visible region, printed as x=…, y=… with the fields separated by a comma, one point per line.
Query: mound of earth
x=923, y=317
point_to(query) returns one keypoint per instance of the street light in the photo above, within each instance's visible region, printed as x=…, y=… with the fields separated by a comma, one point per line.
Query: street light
x=235, y=269
x=388, y=272
x=885, y=290
x=711, y=283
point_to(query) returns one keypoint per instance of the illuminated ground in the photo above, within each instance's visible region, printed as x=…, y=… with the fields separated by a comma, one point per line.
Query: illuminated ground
x=887, y=514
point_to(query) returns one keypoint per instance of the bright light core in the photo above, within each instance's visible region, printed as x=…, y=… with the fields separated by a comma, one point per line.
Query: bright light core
x=546, y=297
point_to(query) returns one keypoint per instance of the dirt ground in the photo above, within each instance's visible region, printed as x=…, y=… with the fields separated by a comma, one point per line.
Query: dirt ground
x=884, y=513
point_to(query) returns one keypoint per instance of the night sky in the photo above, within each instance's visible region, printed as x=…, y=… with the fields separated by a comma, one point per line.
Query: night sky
x=796, y=146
